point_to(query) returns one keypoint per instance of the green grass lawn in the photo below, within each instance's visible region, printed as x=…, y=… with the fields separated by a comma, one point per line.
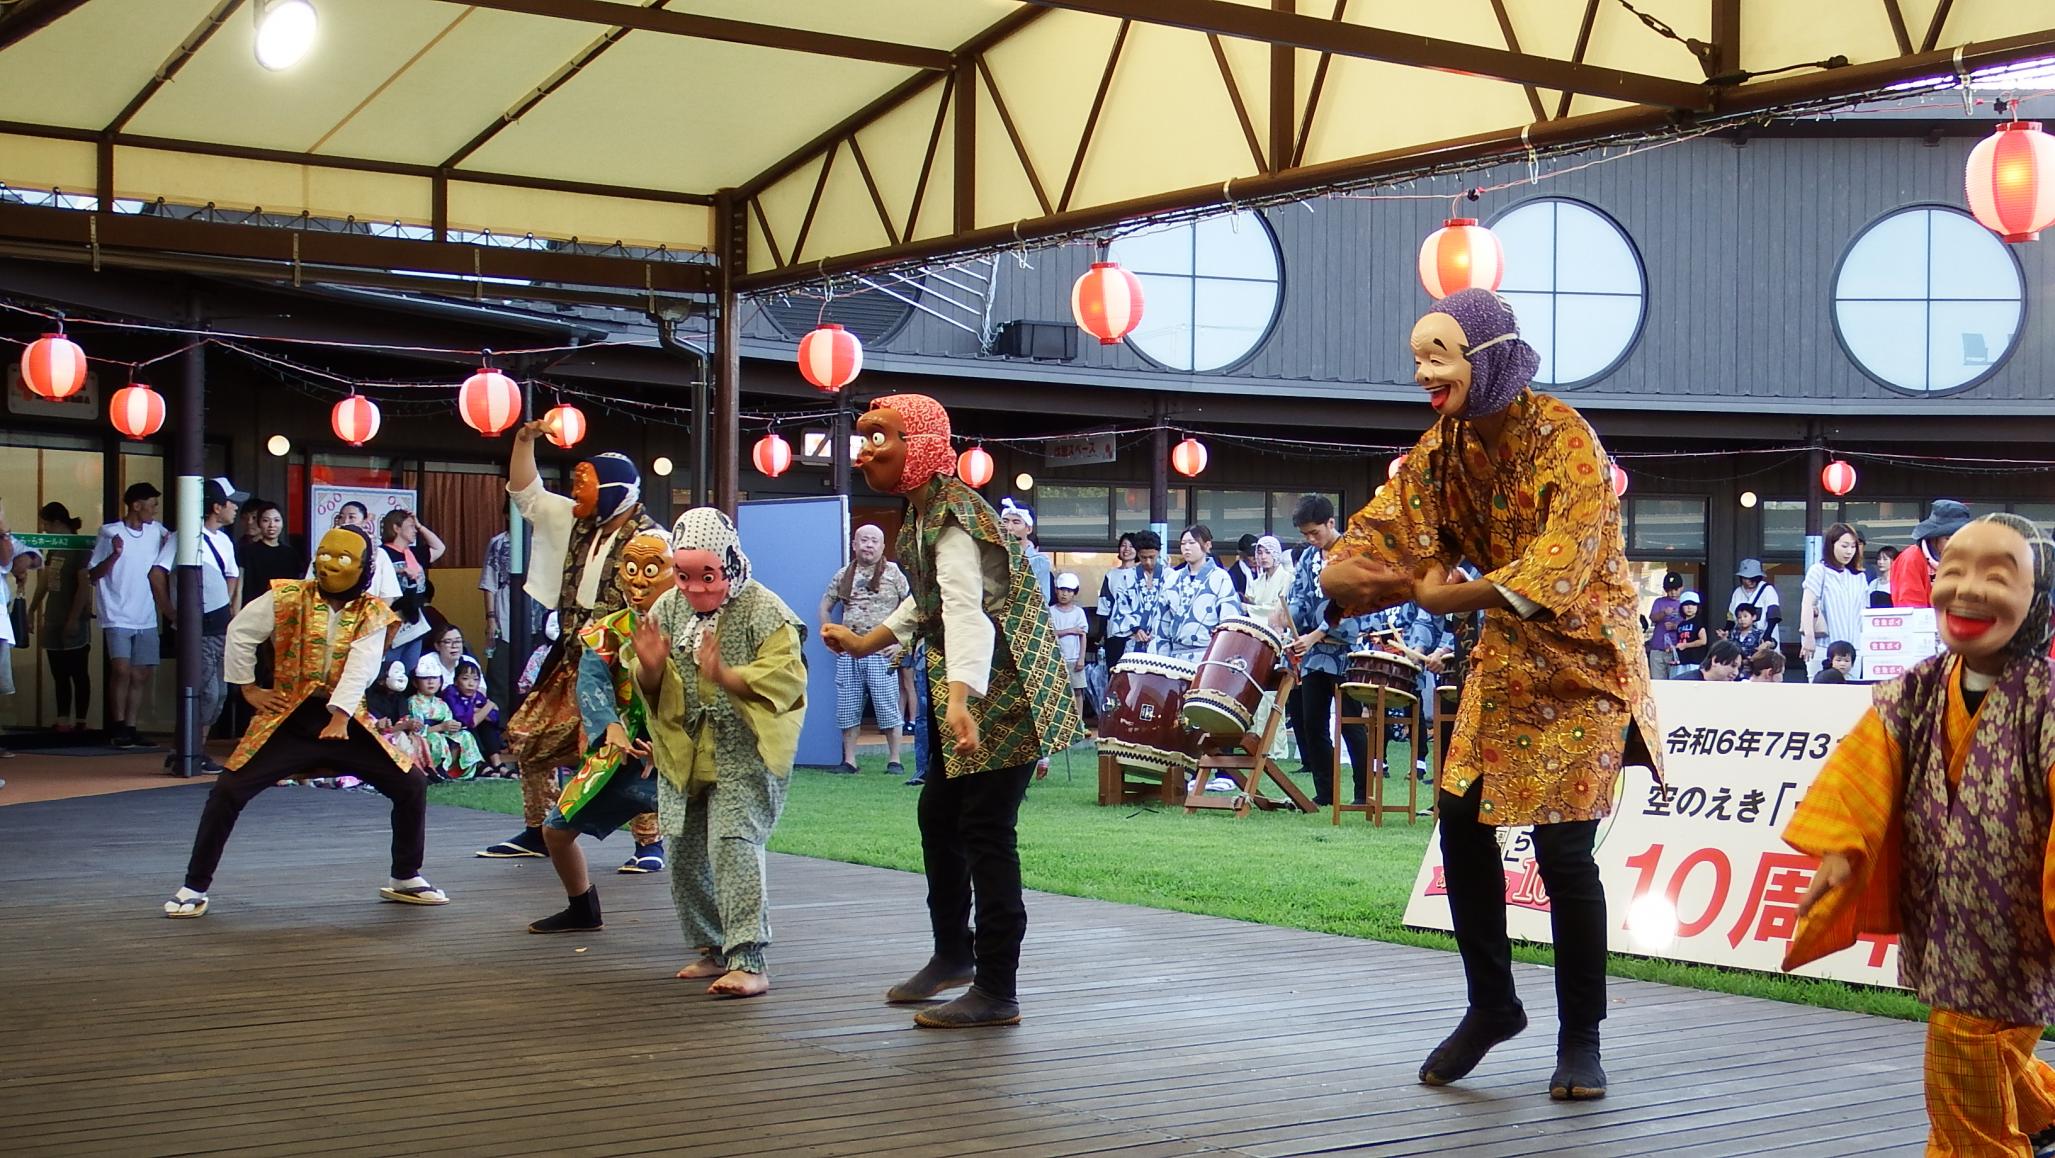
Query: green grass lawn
x=1279, y=868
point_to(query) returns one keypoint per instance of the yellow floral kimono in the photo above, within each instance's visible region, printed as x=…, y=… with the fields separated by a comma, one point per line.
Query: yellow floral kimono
x=1554, y=704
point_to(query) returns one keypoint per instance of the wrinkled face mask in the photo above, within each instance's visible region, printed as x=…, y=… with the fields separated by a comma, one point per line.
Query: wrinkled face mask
x=339, y=561
x=701, y=578
x=641, y=575
x=883, y=457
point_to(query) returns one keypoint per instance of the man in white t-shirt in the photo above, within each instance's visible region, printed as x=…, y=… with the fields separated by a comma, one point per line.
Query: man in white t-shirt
x=221, y=581
x=129, y=607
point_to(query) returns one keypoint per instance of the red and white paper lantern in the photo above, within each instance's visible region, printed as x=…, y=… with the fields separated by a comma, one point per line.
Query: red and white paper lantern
x=136, y=410
x=2010, y=181
x=566, y=425
x=1461, y=255
x=53, y=366
x=355, y=420
x=975, y=466
x=489, y=402
x=1188, y=458
x=1107, y=302
x=1619, y=478
x=830, y=357
x=772, y=455
x=1838, y=477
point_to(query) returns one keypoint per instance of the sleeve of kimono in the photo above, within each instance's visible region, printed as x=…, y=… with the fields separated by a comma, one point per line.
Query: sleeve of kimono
x=1401, y=526
x=596, y=707
x=1559, y=563
x=1851, y=810
x=250, y=627
x=967, y=632
x=776, y=678
x=1230, y=600
x=359, y=669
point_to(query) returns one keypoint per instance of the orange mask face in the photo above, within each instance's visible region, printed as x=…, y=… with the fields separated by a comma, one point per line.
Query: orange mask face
x=883, y=457
x=641, y=575
x=584, y=491
x=339, y=561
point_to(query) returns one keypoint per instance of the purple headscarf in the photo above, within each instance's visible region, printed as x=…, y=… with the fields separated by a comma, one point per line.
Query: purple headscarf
x=1501, y=363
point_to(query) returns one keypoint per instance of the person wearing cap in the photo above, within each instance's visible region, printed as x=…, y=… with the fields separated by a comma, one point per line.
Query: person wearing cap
x=1753, y=589
x=221, y=584
x=130, y=607
x=1691, y=641
x=1073, y=630
x=63, y=599
x=573, y=568
x=452, y=752
x=1665, y=615
x=1912, y=572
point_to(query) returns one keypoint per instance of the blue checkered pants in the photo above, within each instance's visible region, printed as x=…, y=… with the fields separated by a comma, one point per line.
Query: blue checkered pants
x=873, y=674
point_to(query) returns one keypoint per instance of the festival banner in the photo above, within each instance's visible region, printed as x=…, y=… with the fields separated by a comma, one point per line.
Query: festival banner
x=328, y=498
x=1694, y=869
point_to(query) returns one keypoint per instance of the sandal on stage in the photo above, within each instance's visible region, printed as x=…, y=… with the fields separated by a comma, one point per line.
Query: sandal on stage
x=184, y=910
x=648, y=858
x=414, y=895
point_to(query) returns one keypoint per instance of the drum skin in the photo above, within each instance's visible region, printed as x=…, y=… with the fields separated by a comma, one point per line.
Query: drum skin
x=1398, y=676
x=1244, y=660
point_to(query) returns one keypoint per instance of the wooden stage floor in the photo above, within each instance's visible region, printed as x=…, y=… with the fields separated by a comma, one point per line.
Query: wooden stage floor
x=304, y=1017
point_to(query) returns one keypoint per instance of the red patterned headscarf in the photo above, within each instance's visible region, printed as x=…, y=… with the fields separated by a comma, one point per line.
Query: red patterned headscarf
x=929, y=454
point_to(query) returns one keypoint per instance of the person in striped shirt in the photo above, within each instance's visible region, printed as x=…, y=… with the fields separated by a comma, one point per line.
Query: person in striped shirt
x=1835, y=594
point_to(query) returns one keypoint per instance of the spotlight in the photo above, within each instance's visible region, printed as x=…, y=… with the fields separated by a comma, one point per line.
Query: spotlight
x=1023, y=482
x=285, y=32
x=662, y=466
x=1748, y=499
x=279, y=445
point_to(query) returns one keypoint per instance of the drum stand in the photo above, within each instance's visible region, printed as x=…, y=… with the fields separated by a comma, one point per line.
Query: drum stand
x=1380, y=758
x=1246, y=761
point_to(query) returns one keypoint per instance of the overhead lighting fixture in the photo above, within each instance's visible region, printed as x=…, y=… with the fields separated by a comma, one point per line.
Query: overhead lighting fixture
x=285, y=32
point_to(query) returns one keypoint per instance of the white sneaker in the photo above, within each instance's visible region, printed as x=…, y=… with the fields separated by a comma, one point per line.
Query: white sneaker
x=1222, y=784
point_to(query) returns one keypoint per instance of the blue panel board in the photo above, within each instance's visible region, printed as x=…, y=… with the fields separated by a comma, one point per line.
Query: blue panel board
x=795, y=546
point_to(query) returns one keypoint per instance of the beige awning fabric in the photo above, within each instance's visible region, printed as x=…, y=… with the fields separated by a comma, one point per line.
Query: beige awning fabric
x=849, y=133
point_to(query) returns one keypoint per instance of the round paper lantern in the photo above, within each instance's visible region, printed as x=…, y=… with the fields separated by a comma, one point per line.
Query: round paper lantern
x=1398, y=464
x=566, y=425
x=1461, y=255
x=830, y=357
x=355, y=419
x=2010, y=181
x=1838, y=478
x=772, y=455
x=53, y=366
x=136, y=410
x=1188, y=458
x=1107, y=302
x=974, y=466
x=489, y=402
x=1619, y=478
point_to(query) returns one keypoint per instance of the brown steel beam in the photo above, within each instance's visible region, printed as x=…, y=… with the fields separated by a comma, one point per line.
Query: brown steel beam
x=1341, y=8
x=764, y=223
x=1284, y=95
x=1505, y=27
x=731, y=246
x=1898, y=30
x=1726, y=36
x=927, y=164
x=726, y=31
x=209, y=25
x=1084, y=139
x=1344, y=39
x=1027, y=164
x=1933, y=37
x=354, y=164
x=870, y=183
x=1577, y=54
x=820, y=186
x=1482, y=148
x=1234, y=97
x=103, y=232
x=964, y=207
x=32, y=16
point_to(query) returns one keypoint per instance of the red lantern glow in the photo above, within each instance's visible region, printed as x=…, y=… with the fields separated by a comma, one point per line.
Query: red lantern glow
x=830, y=357
x=136, y=410
x=489, y=402
x=1838, y=478
x=2010, y=181
x=1461, y=255
x=1398, y=464
x=566, y=425
x=1188, y=458
x=355, y=419
x=1107, y=302
x=1619, y=478
x=974, y=466
x=53, y=366
x=772, y=455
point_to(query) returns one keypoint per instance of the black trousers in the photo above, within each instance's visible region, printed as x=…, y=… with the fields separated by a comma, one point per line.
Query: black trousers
x=1475, y=873
x=296, y=749
x=69, y=672
x=969, y=845
x=1116, y=646
x=1312, y=710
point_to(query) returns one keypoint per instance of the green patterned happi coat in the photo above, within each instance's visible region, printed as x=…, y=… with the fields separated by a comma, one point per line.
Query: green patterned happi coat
x=1027, y=709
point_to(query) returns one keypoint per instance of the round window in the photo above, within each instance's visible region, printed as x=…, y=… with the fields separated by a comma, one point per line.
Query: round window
x=1575, y=280
x=1927, y=300
x=1210, y=289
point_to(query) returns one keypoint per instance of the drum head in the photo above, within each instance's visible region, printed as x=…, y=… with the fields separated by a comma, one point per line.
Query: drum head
x=1215, y=715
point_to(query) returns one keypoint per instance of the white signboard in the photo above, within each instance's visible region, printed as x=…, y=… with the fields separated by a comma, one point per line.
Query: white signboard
x=328, y=499
x=1896, y=638
x=1695, y=870
x=83, y=405
x=1082, y=450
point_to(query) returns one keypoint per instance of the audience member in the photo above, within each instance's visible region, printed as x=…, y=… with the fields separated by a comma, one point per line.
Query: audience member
x=868, y=588
x=1840, y=663
x=1196, y=598
x=1665, y=616
x=1323, y=651
x=1691, y=638
x=474, y=710
x=17, y=561
x=1722, y=664
x=1880, y=585
x=1067, y=620
x=451, y=751
x=1766, y=667
x=1119, y=579
x=446, y=648
x=496, y=582
x=1912, y=572
x=221, y=585
x=1835, y=594
x=62, y=604
x=1754, y=589
x=1747, y=634
x=130, y=607
x=1269, y=584
x=401, y=533
x=1019, y=522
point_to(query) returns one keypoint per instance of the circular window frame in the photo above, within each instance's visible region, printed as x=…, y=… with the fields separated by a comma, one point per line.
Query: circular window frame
x=1262, y=219
x=916, y=292
x=1834, y=304
x=1640, y=269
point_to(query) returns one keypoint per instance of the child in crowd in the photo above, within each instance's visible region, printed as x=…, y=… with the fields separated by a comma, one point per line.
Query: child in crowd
x=1840, y=663
x=532, y=670
x=475, y=712
x=385, y=701
x=1072, y=629
x=452, y=752
x=1747, y=635
x=1931, y=820
x=1766, y=667
x=1691, y=640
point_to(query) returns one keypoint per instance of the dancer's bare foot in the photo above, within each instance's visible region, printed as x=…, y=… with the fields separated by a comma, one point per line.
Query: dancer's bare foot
x=740, y=983
x=702, y=968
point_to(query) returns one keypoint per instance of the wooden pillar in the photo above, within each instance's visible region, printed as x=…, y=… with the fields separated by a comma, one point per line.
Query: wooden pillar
x=732, y=250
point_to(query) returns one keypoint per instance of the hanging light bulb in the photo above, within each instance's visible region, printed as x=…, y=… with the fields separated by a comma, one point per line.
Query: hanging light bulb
x=279, y=445
x=1749, y=499
x=285, y=32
